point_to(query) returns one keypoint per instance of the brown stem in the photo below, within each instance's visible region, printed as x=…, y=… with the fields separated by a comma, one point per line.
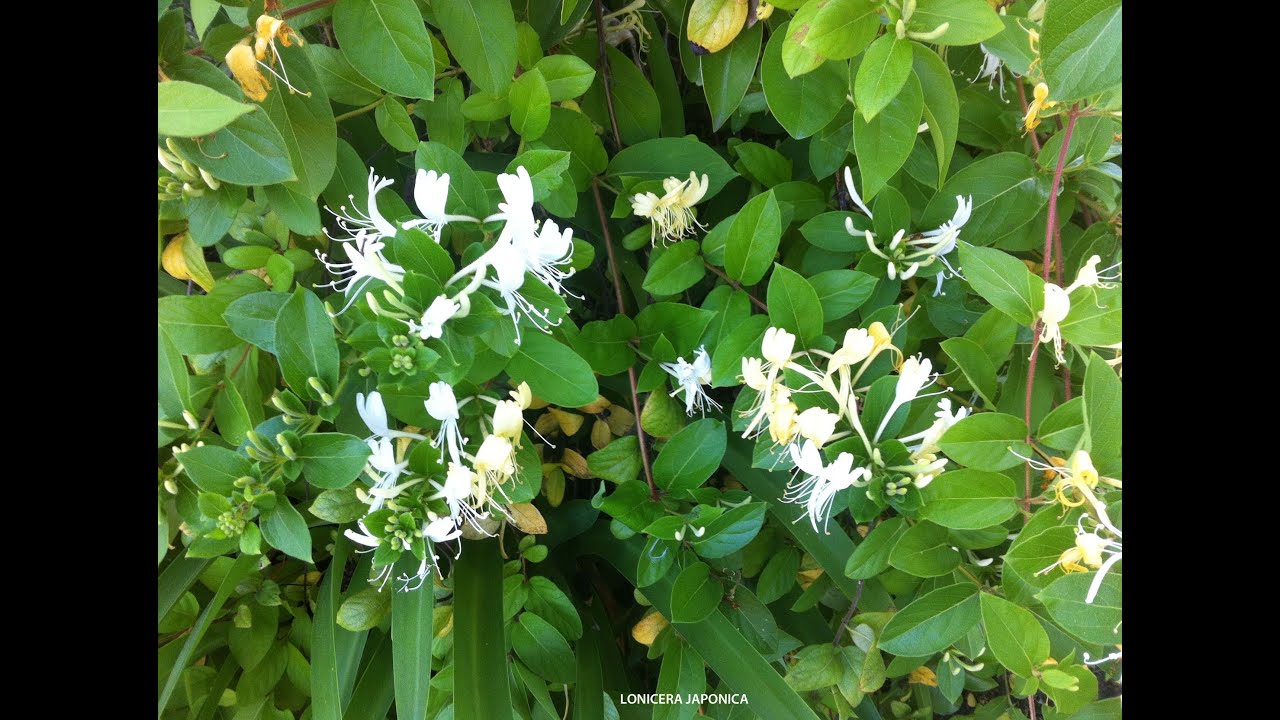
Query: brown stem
x=603, y=64
x=622, y=308
x=308, y=7
x=857, y=595
x=736, y=285
x=1044, y=274
x=1022, y=98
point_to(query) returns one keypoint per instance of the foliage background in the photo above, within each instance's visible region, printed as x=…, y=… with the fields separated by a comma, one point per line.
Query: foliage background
x=898, y=612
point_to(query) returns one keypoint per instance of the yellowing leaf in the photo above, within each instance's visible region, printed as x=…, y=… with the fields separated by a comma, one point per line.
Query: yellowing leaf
x=601, y=435
x=646, y=631
x=713, y=24
x=569, y=422
x=184, y=260
x=923, y=676
x=528, y=519
x=599, y=406
x=576, y=465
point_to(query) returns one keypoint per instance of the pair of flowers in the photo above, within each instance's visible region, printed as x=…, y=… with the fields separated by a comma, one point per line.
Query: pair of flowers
x=1057, y=302
x=671, y=215
x=523, y=246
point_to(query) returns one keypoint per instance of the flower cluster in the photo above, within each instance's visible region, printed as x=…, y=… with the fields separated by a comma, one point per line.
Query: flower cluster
x=246, y=63
x=802, y=434
x=908, y=255
x=1057, y=302
x=414, y=512
x=524, y=246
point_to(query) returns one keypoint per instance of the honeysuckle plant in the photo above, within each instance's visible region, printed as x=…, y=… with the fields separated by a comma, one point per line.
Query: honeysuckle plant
x=544, y=359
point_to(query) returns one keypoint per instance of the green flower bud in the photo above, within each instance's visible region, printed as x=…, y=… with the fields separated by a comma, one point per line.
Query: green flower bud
x=285, y=448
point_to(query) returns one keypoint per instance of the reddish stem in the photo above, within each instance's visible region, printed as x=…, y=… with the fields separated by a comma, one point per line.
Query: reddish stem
x=1049, y=232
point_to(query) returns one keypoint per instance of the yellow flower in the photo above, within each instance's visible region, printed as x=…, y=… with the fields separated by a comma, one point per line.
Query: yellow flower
x=672, y=214
x=1087, y=550
x=244, y=68
x=267, y=29
x=1040, y=103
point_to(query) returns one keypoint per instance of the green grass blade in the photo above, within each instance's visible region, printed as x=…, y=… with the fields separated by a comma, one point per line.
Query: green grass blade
x=175, y=580
x=376, y=687
x=326, y=696
x=721, y=646
x=479, y=645
x=239, y=569
x=588, y=691
x=831, y=551
x=411, y=633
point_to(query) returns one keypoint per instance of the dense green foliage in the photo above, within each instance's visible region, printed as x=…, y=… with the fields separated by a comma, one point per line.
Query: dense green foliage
x=527, y=359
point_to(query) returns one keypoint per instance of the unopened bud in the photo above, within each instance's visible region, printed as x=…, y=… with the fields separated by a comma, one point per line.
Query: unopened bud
x=933, y=34
x=209, y=180
x=171, y=486
x=908, y=9
x=289, y=404
x=285, y=448
x=317, y=385
x=243, y=482
x=257, y=454
x=192, y=421
x=169, y=162
x=259, y=442
x=901, y=30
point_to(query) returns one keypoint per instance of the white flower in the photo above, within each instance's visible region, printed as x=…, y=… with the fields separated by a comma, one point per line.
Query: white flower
x=545, y=255
x=777, y=346
x=517, y=211
x=990, y=70
x=691, y=377
x=817, y=425
x=430, y=193
x=822, y=482
x=433, y=320
x=914, y=375
x=459, y=483
x=508, y=420
x=442, y=405
x=437, y=530
x=671, y=216
x=857, y=199
x=374, y=415
x=441, y=530
x=858, y=344
x=1089, y=276
x=383, y=461
x=356, y=222
x=367, y=263
x=1057, y=305
x=510, y=270
x=930, y=436
x=495, y=463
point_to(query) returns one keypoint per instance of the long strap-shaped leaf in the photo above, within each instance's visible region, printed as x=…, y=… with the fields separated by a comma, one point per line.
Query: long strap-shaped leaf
x=326, y=696
x=374, y=690
x=175, y=580
x=480, y=689
x=716, y=639
x=831, y=551
x=238, y=570
x=412, y=630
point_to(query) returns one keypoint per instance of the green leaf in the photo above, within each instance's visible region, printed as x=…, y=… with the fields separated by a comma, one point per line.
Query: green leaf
x=803, y=105
x=478, y=644
x=682, y=675
x=551, y=604
x=1103, y=413
x=530, y=105
x=194, y=324
x=466, y=194
x=1081, y=48
x=341, y=82
x=884, y=143
x=778, y=576
x=285, y=530
x=836, y=29
x=753, y=239
x=634, y=99
x=1007, y=193
x=871, y=557
x=975, y=365
x=682, y=326
x=969, y=499
x=817, y=667
x=387, y=42
x=1063, y=427
x=932, y=622
x=543, y=648
x=554, y=372
x=1015, y=636
x=694, y=594
x=941, y=104
x=986, y=441
x=605, y=344
x=969, y=22
x=190, y=110
x=840, y=292
x=250, y=644
x=731, y=531
x=305, y=344
x=881, y=75
x=338, y=506
x=690, y=456
x=794, y=305
x=677, y=269
x=332, y=460
x=567, y=76
x=617, y=462
x=1096, y=622
x=924, y=550
x=395, y=125
x=241, y=567
x=1095, y=317
x=662, y=158
x=1003, y=281
x=727, y=74
x=253, y=318
x=215, y=469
